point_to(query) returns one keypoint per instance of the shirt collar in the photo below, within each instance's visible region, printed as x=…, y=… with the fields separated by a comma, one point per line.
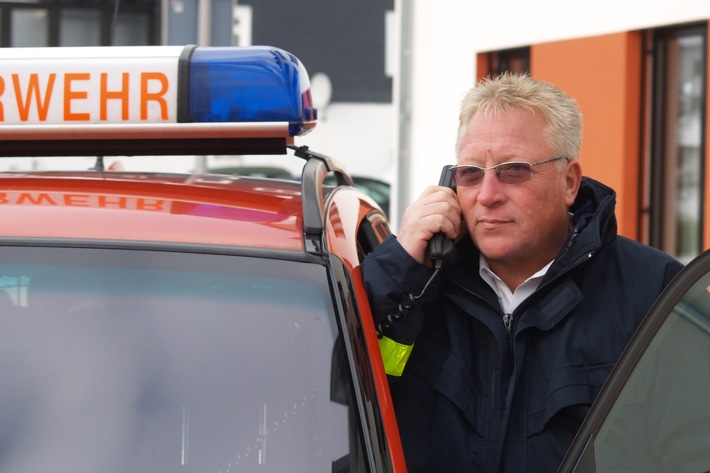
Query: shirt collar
x=508, y=299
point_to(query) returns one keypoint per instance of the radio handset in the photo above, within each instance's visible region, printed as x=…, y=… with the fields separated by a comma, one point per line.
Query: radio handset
x=441, y=248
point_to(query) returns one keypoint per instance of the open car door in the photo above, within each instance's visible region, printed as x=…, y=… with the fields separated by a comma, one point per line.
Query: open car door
x=653, y=414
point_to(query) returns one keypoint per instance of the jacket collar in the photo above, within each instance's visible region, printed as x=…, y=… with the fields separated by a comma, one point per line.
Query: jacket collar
x=594, y=225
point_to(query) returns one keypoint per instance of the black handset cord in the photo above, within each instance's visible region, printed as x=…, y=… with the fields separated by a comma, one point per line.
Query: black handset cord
x=438, y=264
x=401, y=309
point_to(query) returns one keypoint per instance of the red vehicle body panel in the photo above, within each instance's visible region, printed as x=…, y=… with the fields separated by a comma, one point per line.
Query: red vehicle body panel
x=212, y=210
x=342, y=218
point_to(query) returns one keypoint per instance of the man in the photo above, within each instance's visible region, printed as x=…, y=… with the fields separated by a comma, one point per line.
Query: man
x=496, y=359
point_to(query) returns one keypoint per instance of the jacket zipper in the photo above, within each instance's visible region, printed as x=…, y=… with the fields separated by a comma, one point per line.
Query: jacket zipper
x=507, y=318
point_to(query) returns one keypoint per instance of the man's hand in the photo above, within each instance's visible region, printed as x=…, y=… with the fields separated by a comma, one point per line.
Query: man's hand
x=436, y=210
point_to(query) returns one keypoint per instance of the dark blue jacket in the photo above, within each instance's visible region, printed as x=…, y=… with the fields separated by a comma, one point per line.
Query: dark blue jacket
x=477, y=397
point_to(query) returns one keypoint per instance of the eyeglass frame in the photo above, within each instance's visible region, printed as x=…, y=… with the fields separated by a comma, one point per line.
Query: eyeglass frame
x=496, y=168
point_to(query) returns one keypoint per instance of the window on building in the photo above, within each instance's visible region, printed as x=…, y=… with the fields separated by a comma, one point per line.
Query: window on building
x=79, y=23
x=29, y=26
x=516, y=61
x=673, y=187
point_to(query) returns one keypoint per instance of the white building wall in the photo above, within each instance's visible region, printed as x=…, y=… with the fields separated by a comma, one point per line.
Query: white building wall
x=449, y=34
x=357, y=136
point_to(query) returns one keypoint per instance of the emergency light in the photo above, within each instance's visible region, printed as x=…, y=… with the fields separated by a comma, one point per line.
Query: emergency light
x=56, y=96
x=249, y=85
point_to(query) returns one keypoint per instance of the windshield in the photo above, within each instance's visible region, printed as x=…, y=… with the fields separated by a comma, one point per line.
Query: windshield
x=139, y=361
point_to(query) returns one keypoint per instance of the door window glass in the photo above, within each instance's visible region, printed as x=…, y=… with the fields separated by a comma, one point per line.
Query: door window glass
x=661, y=420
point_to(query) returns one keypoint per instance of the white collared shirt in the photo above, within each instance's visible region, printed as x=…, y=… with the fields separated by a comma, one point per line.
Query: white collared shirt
x=508, y=299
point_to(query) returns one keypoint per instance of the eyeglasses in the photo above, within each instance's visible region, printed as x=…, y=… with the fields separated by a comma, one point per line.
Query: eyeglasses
x=514, y=172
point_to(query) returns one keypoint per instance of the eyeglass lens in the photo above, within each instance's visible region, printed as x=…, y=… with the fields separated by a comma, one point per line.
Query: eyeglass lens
x=508, y=173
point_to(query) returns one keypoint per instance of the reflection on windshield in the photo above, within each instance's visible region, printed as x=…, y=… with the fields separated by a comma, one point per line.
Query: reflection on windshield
x=138, y=369
x=661, y=420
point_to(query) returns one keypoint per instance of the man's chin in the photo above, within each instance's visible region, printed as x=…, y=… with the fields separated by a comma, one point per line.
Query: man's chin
x=495, y=248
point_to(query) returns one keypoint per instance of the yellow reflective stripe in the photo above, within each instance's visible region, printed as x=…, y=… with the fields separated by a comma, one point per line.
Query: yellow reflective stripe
x=394, y=355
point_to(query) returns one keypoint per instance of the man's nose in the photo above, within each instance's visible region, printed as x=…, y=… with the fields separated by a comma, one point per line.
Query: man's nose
x=489, y=190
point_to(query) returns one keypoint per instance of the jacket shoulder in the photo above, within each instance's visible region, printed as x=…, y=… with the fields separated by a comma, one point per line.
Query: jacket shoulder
x=643, y=260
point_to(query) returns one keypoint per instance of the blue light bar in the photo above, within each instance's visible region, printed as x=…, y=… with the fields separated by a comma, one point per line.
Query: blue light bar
x=255, y=84
x=153, y=93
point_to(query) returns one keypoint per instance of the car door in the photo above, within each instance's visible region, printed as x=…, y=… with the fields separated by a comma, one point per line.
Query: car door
x=653, y=414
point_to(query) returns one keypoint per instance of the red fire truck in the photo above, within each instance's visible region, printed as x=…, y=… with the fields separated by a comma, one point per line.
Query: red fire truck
x=197, y=323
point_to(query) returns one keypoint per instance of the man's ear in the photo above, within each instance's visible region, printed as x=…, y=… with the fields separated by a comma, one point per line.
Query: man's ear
x=573, y=179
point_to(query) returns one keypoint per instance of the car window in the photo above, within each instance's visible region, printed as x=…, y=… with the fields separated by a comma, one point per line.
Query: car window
x=660, y=421
x=156, y=361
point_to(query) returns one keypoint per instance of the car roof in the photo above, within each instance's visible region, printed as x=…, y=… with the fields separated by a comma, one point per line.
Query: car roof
x=199, y=209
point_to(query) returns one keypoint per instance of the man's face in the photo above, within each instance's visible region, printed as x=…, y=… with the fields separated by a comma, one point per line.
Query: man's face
x=524, y=225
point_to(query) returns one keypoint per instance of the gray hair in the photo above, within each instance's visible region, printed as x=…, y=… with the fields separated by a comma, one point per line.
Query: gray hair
x=515, y=91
